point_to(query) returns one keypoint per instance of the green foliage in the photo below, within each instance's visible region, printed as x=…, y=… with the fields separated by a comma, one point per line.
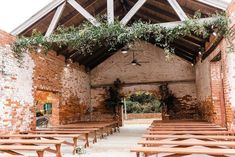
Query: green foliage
x=87, y=38
x=142, y=102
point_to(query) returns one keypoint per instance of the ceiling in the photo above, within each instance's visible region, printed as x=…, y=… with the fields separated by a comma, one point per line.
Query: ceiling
x=153, y=11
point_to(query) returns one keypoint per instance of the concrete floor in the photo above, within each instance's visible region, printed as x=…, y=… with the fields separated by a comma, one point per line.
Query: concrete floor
x=118, y=144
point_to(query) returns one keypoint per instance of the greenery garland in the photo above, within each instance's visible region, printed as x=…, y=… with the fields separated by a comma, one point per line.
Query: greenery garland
x=87, y=38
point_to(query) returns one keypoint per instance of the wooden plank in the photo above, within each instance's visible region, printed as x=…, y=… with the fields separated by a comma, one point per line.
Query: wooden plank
x=186, y=129
x=132, y=12
x=209, y=151
x=217, y=4
x=192, y=132
x=55, y=19
x=216, y=137
x=188, y=143
x=110, y=11
x=83, y=11
x=175, y=5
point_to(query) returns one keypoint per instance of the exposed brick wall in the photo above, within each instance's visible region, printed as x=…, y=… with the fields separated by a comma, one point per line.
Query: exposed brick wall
x=208, y=81
x=70, y=84
x=157, y=70
x=16, y=99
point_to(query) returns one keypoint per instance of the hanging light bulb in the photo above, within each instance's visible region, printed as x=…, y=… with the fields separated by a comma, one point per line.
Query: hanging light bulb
x=200, y=53
x=39, y=49
x=214, y=33
x=192, y=64
x=124, y=50
x=69, y=62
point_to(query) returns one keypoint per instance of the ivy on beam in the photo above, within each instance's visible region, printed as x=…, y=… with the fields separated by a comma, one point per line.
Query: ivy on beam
x=87, y=38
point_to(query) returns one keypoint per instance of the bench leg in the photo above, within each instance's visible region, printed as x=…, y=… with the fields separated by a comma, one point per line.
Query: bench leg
x=40, y=153
x=87, y=140
x=95, y=138
x=58, y=150
x=137, y=154
x=75, y=144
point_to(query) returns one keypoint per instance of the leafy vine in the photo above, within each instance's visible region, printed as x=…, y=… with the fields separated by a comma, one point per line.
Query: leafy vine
x=87, y=38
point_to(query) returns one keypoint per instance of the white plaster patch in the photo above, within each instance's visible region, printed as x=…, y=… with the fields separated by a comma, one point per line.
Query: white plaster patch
x=231, y=78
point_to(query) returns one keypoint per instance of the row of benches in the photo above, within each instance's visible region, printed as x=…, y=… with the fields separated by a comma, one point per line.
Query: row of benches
x=39, y=140
x=180, y=136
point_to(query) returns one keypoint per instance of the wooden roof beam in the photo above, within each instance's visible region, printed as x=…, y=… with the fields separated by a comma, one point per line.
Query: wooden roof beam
x=215, y=3
x=55, y=19
x=132, y=12
x=83, y=11
x=43, y=12
x=110, y=11
x=175, y=5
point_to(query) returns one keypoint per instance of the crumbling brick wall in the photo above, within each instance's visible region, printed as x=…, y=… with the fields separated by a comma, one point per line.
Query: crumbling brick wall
x=16, y=85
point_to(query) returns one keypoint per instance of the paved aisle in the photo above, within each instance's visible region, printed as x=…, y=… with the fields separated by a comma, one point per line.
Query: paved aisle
x=118, y=144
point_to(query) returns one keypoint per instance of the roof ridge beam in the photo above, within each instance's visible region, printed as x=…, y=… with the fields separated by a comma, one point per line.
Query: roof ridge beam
x=110, y=11
x=37, y=16
x=84, y=12
x=179, y=11
x=55, y=19
x=133, y=11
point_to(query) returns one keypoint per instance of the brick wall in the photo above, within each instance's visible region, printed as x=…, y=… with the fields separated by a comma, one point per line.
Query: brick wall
x=208, y=82
x=69, y=83
x=157, y=70
x=16, y=99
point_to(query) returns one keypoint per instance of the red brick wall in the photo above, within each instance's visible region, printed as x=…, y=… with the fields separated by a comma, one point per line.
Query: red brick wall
x=208, y=81
x=70, y=84
x=16, y=100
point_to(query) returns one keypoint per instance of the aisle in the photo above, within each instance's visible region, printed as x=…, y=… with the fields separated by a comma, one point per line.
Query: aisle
x=118, y=145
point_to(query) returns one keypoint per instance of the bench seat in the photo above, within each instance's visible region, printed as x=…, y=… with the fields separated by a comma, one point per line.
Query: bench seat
x=155, y=150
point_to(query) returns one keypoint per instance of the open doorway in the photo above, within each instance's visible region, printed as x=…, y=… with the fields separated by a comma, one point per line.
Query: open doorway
x=142, y=105
x=47, y=108
x=217, y=90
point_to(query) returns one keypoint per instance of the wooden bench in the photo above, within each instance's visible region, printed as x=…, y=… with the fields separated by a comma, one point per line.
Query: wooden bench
x=191, y=132
x=222, y=138
x=91, y=130
x=186, y=129
x=102, y=128
x=57, y=143
x=187, y=143
x=155, y=150
x=85, y=133
x=74, y=137
x=12, y=148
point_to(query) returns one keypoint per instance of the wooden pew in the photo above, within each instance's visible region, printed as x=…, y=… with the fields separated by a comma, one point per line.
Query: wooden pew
x=191, y=132
x=222, y=138
x=12, y=148
x=57, y=143
x=155, y=150
x=74, y=137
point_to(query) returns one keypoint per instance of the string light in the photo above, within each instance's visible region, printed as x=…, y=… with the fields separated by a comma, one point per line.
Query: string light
x=200, y=53
x=214, y=33
x=69, y=62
